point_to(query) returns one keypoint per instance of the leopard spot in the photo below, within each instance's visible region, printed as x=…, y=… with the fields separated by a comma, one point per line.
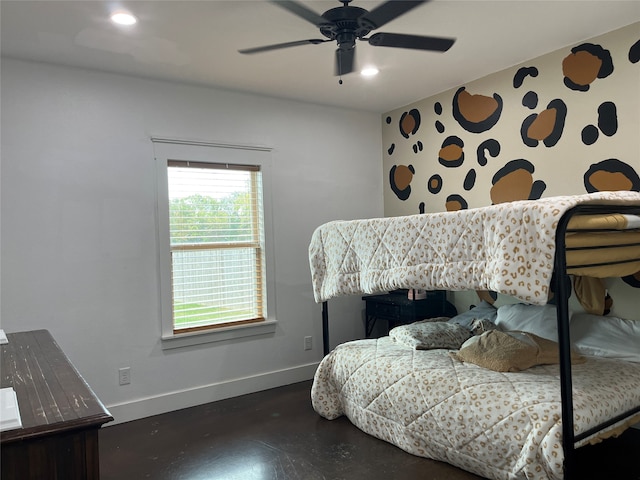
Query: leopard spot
x=610, y=181
x=409, y=122
x=469, y=180
x=434, y=185
x=403, y=176
x=581, y=67
x=451, y=153
x=514, y=182
x=530, y=100
x=586, y=63
x=455, y=202
x=542, y=125
x=513, y=186
x=589, y=135
x=491, y=146
x=400, y=177
x=522, y=73
x=476, y=113
x=476, y=108
x=608, y=118
x=611, y=175
x=547, y=126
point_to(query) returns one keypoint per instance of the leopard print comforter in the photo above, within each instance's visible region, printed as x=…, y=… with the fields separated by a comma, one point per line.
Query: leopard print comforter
x=508, y=248
x=498, y=425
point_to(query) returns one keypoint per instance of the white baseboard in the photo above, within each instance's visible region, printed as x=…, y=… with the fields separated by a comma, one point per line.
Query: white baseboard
x=149, y=406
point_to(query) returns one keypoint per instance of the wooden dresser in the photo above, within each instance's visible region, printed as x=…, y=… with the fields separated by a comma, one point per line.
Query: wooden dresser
x=60, y=413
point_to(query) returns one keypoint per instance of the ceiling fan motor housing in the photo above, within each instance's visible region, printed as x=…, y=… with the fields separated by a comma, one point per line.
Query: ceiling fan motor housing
x=346, y=24
x=343, y=25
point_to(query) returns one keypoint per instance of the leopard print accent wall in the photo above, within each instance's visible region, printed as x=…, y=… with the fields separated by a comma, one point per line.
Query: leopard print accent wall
x=565, y=123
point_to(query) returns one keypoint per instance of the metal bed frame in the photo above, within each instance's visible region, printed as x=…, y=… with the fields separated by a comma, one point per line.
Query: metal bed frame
x=562, y=284
x=562, y=291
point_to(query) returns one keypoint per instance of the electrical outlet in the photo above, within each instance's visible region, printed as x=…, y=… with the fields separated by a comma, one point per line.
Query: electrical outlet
x=124, y=375
x=308, y=343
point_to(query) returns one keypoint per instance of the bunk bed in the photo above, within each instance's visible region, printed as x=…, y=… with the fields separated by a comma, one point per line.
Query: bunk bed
x=525, y=249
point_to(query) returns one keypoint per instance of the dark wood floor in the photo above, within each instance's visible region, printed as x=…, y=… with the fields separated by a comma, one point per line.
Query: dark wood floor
x=275, y=434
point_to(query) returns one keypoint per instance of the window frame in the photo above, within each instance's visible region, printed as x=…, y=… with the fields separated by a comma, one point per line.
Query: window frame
x=255, y=243
x=165, y=150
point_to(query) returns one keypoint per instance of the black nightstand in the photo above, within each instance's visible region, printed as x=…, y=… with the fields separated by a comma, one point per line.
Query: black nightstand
x=396, y=309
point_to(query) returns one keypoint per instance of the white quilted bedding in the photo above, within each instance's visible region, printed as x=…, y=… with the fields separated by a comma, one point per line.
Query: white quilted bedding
x=508, y=248
x=497, y=425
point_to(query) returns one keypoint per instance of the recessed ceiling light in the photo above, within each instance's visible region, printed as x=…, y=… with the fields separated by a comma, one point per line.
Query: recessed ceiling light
x=369, y=72
x=123, y=18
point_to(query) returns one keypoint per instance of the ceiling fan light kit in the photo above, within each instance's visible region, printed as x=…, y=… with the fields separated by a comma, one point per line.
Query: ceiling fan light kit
x=123, y=18
x=369, y=71
x=347, y=23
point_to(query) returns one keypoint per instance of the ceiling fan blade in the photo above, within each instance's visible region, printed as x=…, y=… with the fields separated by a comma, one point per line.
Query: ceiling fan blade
x=386, y=12
x=301, y=11
x=418, y=42
x=344, y=61
x=276, y=46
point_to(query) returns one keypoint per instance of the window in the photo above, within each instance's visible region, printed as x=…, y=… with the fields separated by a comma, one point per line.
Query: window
x=215, y=224
x=214, y=274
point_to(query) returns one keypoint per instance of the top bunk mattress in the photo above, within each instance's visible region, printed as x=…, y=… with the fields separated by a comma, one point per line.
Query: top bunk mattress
x=508, y=248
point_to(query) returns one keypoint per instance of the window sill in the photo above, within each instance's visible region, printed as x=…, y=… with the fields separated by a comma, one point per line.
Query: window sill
x=219, y=334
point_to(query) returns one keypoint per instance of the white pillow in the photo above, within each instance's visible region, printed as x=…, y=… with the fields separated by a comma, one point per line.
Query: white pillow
x=483, y=311
x=610, y=337
x=540, y=320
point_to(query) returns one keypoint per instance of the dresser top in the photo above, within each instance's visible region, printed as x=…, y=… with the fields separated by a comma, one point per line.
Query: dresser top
x=52, y=395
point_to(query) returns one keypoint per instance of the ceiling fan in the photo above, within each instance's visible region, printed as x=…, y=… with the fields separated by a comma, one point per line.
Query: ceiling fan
x=346, y=24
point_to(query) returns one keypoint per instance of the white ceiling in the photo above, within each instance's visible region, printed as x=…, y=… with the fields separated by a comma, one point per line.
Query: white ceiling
x=197, y=42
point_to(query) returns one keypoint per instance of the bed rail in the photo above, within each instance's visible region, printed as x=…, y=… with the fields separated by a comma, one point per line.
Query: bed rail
x=562, y=292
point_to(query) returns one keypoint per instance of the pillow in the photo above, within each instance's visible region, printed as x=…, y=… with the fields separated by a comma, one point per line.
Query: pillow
x=481, y=325
x=484, y=311
x=609, y=337
x=427, y=334
x=510, y=352
x=540, y=320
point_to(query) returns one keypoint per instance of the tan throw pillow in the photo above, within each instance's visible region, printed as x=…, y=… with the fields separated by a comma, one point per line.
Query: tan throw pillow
x=510, y=351
x=429, y=334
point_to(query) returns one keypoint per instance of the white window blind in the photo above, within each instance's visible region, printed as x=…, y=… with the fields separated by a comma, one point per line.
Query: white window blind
x=216, y=243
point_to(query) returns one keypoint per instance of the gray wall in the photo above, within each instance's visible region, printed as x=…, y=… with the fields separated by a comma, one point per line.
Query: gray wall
x=78, y=239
